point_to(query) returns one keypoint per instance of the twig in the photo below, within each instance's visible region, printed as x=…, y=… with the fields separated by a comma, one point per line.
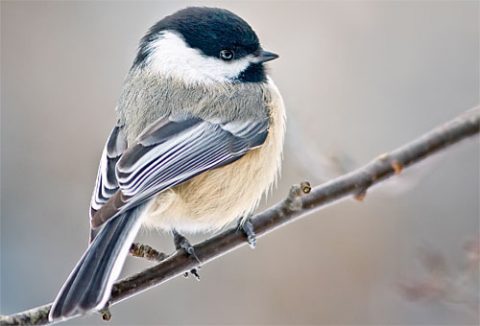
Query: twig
x=145, y=251
x=302, y=200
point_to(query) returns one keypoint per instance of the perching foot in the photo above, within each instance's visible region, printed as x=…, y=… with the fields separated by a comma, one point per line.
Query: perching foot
x=247, y=228
x=105, y=312
x=182, y=243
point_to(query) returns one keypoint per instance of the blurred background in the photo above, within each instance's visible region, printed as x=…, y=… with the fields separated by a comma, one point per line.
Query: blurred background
x=358, y=78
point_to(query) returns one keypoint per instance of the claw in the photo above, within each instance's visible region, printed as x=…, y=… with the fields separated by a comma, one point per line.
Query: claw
x=247, y=228
x=194, y=272
x=182, y=243
x=105, y=312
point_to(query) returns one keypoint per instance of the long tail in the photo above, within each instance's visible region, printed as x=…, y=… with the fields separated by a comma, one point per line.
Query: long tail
x=89, y=285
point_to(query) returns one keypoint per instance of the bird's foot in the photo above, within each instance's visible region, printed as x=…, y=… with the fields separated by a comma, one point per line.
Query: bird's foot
x=247, y=227
x=147, y=252
x=182, y=243
x=193, y=272
x=105, y=313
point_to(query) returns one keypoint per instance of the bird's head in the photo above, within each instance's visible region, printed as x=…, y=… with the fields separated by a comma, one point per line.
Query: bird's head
x=204, y=45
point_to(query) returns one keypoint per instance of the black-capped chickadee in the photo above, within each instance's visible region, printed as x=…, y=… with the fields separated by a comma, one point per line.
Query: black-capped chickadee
x=198, y=142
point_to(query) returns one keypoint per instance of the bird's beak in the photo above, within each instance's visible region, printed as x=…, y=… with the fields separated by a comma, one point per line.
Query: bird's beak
x=262, y=56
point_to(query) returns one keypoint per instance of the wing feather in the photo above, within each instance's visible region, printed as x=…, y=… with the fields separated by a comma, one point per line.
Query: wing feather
x=171, y=152
x=107, y=184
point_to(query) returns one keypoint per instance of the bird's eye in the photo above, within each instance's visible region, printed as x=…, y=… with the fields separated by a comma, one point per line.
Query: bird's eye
x=226, y=55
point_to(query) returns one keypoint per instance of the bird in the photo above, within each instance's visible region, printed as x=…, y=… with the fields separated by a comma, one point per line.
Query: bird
x=197, y=143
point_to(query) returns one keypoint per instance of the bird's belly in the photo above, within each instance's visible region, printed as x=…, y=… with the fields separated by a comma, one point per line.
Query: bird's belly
x=214, y=198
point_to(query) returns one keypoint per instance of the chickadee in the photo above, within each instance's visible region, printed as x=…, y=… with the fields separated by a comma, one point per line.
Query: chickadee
x=198, y=142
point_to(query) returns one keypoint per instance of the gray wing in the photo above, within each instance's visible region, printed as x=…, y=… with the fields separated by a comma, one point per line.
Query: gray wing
x=171, y=152
x=107, y=184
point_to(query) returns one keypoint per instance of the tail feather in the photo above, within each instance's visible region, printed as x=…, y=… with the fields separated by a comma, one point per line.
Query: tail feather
x=89, y=285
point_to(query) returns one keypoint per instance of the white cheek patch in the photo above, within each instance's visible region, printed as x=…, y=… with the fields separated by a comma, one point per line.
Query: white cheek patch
x=172, y=57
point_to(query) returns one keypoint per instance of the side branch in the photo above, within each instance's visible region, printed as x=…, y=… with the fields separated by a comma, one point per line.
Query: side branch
x=301, y=201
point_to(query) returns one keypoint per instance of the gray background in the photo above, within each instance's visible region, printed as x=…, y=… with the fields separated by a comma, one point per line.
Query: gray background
x=359, y=78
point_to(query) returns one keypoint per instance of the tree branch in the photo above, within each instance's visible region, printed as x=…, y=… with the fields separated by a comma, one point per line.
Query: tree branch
x=302, y=200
